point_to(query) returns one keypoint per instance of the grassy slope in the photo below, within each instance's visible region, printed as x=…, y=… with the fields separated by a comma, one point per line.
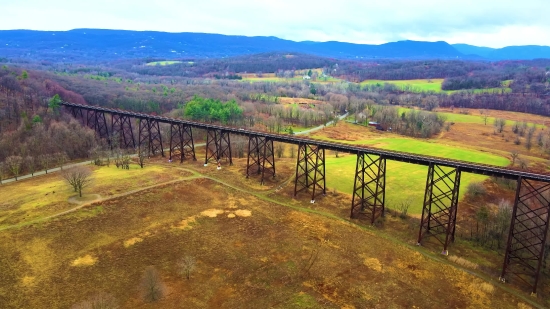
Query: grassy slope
x=32, y=199
x=243, y=262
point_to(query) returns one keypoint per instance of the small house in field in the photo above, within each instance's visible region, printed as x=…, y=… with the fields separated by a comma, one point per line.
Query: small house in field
x=306, y=77
x=376, y=125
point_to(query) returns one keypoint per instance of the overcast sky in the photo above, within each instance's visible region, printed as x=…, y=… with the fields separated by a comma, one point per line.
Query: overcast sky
x=478, y=22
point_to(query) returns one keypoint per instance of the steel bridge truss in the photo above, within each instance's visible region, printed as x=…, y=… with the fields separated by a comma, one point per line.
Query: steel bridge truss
x=310, y=170
x=261, y=157
x=150, y=136
x=218, y=146
x=97, y=121
x=369, y=190
x=181, y=142
x=121, y=128
x=440, y=205
x=76, y=113
x=527, y=236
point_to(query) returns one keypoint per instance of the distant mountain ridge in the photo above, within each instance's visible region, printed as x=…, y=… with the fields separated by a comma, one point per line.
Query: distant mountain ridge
x=525, y=52
x=99, y=44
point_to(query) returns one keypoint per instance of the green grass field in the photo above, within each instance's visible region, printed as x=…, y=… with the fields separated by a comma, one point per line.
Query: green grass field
x=474, y=118
x=413, y=85
x=165, y=62
x=430, y=85
x=404, y=180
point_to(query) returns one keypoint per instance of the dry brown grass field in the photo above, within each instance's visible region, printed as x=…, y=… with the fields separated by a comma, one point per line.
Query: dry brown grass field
x=254, y=246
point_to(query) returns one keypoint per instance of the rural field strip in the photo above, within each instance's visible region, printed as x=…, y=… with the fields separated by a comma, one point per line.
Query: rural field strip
x=263, y=196
x=476, y=168
x=103, y=199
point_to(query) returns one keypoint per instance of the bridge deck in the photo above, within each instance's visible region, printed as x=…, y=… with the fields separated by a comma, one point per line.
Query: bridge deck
x=476, y=168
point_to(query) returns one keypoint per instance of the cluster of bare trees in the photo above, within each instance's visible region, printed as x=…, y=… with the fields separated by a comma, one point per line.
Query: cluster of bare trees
x=489, y=225
x=14, y=166
x=43, y=145
x=414, y=123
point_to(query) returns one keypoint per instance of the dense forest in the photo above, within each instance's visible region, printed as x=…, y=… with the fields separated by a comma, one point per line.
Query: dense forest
x=194, y=89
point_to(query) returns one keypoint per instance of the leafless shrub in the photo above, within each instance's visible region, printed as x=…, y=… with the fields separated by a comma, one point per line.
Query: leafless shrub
x=403, y=208
x=463, y=262
x=523, y=164
x=186, y=265
x=476, y=189
x=98, y=301
x=486, y=287
x=152, y=287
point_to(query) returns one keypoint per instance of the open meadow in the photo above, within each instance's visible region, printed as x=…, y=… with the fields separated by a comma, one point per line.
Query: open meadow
x=404, y=181
x=252, y=247
x=429, y=85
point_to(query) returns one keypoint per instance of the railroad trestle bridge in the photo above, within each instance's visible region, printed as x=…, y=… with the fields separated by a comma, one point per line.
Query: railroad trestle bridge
x=525, y=247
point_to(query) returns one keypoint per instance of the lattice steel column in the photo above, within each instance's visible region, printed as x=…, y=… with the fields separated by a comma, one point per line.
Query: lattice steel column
x=150, y=136
x=181, y=141
x=96, y=120
x=76, y=113
x=310, y=170
x=121, y=127
x=369, y=190
x=261, y=157
x=90, y=119
x=440, y=205
x=528, y=230
x=155, y=137
x=218, y=146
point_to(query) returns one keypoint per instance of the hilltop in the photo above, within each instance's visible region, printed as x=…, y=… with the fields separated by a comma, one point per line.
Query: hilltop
x=102, y=44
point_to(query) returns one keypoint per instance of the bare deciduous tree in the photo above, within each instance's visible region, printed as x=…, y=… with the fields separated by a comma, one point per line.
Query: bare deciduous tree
x=186, y=265
x=499, y=125
x=514, y=155
x=30, y=162
x=279, y=149
x=2, y=169
x=14, y=165
x=485, y=115
x=152, y=287
x=78, y=177
x=125, y=161
x=141, y=155
x=45, y=161
x=61, y=158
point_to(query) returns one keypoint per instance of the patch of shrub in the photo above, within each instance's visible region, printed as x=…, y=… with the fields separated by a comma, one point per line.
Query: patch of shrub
x=476, y=189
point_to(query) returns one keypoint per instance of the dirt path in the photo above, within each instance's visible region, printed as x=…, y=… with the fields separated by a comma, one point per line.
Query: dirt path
x=320, y=127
